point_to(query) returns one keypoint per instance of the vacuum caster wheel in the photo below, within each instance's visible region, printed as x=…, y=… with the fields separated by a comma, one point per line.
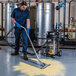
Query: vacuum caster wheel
x=59, y=53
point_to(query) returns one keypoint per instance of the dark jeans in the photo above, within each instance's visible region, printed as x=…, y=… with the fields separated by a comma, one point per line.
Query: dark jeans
x=21, y=34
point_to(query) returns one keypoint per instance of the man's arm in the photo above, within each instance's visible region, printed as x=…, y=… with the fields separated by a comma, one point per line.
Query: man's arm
x=28, y=23
x=13, y=20
x=17, y=24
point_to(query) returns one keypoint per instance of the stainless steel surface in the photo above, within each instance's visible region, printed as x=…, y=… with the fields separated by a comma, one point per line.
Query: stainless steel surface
x=9, y=24
x=44, y=20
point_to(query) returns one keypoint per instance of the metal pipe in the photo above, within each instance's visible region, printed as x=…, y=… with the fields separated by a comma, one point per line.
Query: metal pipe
x=59, y=11
x=17, y=0
x=2, y=19
x=57, y=17
x=29, y=5
x=69, y=12
x=64, y=15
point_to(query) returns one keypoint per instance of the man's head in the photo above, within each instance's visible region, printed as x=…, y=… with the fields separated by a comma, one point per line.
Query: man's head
x=23, y=6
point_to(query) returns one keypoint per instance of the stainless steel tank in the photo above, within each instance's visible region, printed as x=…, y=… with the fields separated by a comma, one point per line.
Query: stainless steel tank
x=44, y=21
x=8, y=23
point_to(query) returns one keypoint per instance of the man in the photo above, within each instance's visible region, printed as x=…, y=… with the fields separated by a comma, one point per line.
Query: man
x=21, y=17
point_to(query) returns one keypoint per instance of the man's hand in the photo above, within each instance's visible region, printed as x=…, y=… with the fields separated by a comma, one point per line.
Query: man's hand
x=17, y=24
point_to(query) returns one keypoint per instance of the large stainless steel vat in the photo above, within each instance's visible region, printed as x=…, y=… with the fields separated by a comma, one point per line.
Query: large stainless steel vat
x=44, y=21
x=8, y=23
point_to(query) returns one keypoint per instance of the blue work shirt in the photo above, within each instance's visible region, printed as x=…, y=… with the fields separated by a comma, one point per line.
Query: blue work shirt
x=20, y=16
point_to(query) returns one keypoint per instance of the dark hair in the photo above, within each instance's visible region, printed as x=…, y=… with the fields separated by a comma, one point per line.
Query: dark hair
x=23, y=3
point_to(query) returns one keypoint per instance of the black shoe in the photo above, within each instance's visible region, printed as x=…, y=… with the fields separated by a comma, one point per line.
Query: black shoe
x=14, y=53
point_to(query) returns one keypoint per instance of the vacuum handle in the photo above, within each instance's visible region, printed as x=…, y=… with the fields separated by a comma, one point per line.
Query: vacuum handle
x=31, y=43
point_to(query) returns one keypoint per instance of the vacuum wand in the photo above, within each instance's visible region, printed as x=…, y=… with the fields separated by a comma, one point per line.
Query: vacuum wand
x=31, y=43
x=40, y=63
